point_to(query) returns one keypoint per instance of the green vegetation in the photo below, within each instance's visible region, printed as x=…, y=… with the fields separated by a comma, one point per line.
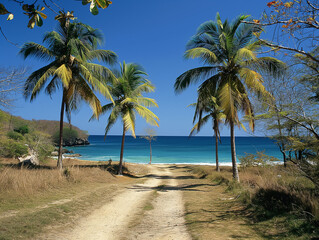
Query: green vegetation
x=22, y=129
x=258, y=159
x=33, y=200
x=15, y=135
x=12, y=149
x=150, y=136
x=73, y=47
x=127, y=93
x=233, y=71
x=69, y=135
x=268, y=203
x=207, y=103
x=36, y=15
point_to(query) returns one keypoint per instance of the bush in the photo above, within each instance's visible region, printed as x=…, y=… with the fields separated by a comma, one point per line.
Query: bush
x=41, y=144
x=15, y=136
x=258, y=159
x=11, y=148
x=69, y=136
x=22, y=129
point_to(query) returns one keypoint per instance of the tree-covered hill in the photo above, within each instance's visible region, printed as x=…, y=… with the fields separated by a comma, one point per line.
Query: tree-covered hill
x=9, y=122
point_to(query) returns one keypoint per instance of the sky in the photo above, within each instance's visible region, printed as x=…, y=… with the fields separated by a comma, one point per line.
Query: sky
x=151, y=33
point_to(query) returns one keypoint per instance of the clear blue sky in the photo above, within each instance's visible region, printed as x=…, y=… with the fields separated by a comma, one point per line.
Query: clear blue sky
x=151, y=33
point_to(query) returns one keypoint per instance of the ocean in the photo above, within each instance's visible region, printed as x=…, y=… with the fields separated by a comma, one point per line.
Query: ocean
x=172, y=149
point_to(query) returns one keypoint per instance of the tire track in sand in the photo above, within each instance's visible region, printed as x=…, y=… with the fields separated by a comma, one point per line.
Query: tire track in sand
x=112, y=221
x=166, y=220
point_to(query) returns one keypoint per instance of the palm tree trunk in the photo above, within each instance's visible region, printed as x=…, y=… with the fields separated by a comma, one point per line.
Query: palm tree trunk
x=233, y=152
x=59, y=163
x=120, y=172
x=216, y=146
x=150, y=152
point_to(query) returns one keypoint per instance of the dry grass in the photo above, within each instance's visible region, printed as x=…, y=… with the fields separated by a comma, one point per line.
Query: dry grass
x=278, y=202
x=25, y=182
x=32, y=200
x=210, y=211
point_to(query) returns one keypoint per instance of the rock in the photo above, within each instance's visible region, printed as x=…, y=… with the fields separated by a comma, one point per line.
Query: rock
x=76, y=142
x=64, y=150
x=55, y=153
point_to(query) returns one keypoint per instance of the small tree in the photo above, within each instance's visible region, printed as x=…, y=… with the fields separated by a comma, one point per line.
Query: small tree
x=22, y=129
x=69, y=135
x=150, y=136
x=11, y=83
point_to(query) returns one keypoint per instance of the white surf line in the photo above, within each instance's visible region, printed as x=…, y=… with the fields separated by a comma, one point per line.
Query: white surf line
x=112, y=219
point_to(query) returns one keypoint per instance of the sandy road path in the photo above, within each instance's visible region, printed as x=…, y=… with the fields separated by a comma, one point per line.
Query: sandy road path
x=166, y=220
x=112, y=221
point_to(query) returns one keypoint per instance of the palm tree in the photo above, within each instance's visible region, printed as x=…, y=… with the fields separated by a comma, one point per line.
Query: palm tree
x=150, y=136
x=127, y=93
x=207, y=103
x=70, y=50
x=231, y=65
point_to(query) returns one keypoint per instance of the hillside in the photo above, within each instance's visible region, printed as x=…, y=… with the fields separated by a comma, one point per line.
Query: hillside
x=9, y=122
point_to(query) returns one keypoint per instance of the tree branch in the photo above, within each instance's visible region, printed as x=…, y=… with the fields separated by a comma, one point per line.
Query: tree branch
x=290, y=49
x=7, y=38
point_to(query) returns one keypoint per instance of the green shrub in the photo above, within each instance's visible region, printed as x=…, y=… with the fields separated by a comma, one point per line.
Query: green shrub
x=15, y=135
x=11, y=148
x=258, y=159
x=41, y=144
x=69, y=135
x=22, y=129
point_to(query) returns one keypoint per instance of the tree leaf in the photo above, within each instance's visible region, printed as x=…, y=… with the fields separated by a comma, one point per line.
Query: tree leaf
x=39, y=21
x=10, y=17
x=25, y=7
x=85, y=2
x=42, y=15
x=3, y=10
x=94, y=10
x=101, y=3
x=31, y=23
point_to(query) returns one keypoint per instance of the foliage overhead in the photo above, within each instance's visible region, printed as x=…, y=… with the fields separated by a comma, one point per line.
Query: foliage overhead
x=207, y=103
x=36, y=15
x=71, y=51
x=127, y=93
x=294, y=24
x=229, y=52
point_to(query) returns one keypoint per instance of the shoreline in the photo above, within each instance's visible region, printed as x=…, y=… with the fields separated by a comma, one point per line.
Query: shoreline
x=228, y=164
x=222, y=164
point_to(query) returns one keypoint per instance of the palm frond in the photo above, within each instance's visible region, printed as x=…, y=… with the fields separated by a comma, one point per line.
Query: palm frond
x=106, y=56
x=37, y=51
x=193, y=76
x=64, y=73
x=147, y=114
x=95, y=83
x=204, y=54
x=267, y=65
x=129, y=121
x=33, y=80
x=112, y=119
x=197, y=126
x=147, y=102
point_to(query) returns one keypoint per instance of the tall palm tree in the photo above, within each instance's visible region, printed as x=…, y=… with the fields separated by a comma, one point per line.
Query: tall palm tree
x=207, y=104
x=70, y=51
x=127, y=93
x=231, y=65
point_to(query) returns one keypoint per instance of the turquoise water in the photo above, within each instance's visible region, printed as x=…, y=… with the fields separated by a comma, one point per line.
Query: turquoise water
x=194, y=150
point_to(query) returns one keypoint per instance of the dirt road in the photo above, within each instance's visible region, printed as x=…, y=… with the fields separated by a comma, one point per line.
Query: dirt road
x=126, y=218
